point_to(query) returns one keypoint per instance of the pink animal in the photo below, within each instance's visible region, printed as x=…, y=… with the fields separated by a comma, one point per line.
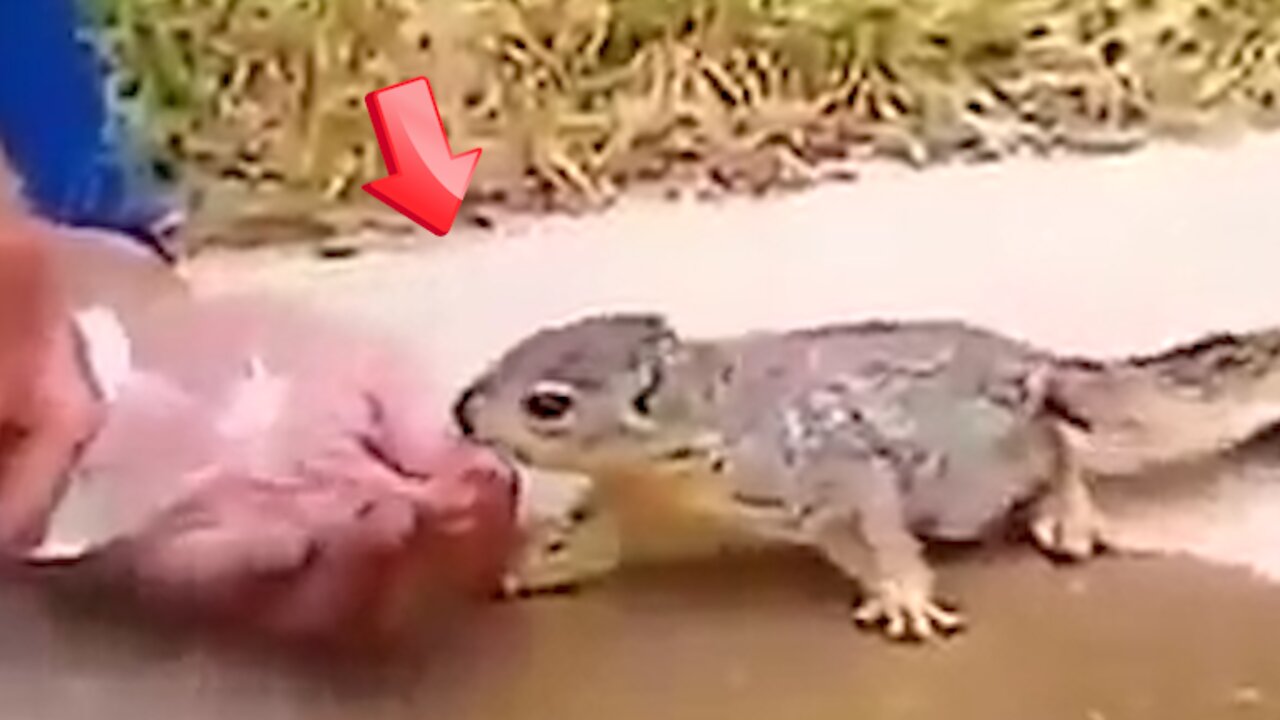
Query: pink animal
x=232, y=460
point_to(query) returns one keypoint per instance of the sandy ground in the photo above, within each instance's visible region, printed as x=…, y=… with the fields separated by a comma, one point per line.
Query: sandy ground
x=1104, y=256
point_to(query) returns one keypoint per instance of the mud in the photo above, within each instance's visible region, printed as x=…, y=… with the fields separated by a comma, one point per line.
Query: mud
x=753, y=637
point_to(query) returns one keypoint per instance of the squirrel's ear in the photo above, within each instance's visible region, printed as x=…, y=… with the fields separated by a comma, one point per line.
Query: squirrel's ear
x=666, y=344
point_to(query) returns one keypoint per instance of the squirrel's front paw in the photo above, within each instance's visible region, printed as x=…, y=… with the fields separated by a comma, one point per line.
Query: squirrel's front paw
x=906, y=613
x=560, y=560
x=568, y=540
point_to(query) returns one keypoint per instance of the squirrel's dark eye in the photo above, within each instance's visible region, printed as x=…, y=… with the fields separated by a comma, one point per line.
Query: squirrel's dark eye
x=548, y=404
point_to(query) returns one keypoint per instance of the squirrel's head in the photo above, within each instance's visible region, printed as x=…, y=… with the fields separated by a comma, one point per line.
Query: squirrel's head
x=584, y=396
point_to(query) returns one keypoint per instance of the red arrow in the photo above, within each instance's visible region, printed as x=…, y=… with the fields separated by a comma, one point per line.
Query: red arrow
x=425, y=181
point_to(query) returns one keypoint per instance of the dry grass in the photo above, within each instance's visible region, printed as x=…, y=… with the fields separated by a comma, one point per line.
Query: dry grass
x=259, y=103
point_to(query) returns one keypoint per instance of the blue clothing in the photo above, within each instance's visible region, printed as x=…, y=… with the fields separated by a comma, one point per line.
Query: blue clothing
x=56, y=127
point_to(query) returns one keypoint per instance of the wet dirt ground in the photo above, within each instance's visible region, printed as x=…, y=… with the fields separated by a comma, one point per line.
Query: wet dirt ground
x=756, y=637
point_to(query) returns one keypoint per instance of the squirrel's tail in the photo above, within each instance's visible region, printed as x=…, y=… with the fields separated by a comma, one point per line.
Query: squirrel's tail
x=1191, y=401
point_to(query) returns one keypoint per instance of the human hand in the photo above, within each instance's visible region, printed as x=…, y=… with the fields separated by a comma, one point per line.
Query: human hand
x=48, y=408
